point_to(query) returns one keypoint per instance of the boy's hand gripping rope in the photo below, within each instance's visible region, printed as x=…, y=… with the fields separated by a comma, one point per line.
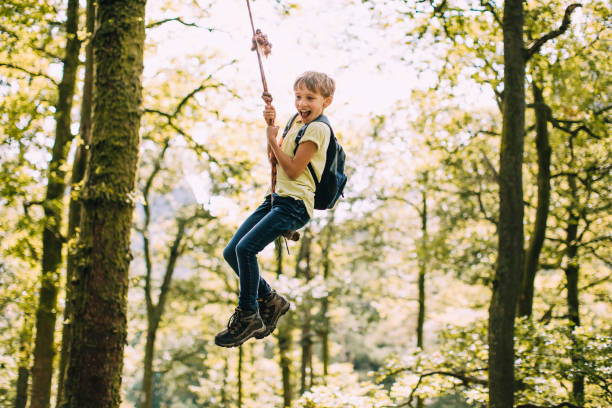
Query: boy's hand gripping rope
x=260, y=40
x=260, y=44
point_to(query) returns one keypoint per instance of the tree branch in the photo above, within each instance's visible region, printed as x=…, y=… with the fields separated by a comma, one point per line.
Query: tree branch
x=596, y=282
x=490, y=166
x=562, y=405
x=30, y=73
x=537, y=44
x=484, y=211
x=491, y=9
x=465, y=379
x=602, y=110
x=178, y=19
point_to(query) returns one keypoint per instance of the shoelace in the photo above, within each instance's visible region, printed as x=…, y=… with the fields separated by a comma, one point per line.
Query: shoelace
x=233, y=325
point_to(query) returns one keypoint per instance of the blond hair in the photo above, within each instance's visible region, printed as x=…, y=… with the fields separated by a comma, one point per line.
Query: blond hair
x=316, y=82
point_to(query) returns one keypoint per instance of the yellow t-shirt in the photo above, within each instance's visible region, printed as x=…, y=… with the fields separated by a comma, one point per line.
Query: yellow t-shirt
x=303, y=187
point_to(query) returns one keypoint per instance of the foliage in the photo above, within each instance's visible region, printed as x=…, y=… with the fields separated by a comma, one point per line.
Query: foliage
x=199, y=107
x=543, y=363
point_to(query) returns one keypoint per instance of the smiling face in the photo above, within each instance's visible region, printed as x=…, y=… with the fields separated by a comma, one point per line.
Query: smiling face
x=310, y=104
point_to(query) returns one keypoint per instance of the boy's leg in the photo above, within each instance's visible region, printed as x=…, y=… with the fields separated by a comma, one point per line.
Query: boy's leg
x=243, y=324
x=246, y=322
x=229, y=253
x=287, y=214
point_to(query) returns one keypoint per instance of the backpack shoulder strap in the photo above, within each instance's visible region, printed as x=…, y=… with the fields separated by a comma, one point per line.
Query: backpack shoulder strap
x=302, y=131
x=288, y=126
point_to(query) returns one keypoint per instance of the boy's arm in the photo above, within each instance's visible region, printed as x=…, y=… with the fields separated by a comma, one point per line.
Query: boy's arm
x=293, y=166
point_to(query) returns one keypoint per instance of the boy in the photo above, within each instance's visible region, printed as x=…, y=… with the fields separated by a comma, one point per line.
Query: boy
x=259, y=306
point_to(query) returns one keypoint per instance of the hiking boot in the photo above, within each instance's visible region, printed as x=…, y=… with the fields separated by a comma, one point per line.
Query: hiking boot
x=240, y=327
x=271, y=308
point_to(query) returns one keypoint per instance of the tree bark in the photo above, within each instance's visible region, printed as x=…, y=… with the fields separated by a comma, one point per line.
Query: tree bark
x=240, y=360
x=52, y=240
x=284, y=337
x=572, y=276
x=306, y=374
x=21, y=399
x=74, y=209
x=325, y=328
x=507, y=279
x=423, y=259
x=103, y=249
x=224, y=400
x=147, y=378
x=23, y=371
x=536, y=241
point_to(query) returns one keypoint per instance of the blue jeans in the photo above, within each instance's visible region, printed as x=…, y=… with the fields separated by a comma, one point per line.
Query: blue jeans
x=255, y=233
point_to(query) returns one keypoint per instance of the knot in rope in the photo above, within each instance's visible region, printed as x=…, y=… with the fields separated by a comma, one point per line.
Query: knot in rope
x=261, y=40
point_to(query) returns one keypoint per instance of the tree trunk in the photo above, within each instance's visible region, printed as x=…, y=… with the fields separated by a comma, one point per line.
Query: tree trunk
x=23, y=372
x=52, y=241
x=572, y=275
x=224, y=400
x=284, y=346
x=74, y=209
x=284, y=337
x=103, y=250
x=306, y=374
x=147, y=378
x=306, y=366
x=240, y=358
x=423, y=259
x=21, y=399
x=507, y=280
x=539, y=229
x=325, y=328
x=156, y=311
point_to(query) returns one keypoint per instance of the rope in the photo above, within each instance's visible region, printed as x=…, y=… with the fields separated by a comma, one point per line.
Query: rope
x=259, y=39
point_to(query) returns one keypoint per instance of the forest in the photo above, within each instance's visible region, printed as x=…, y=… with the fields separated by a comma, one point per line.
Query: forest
x=468, y=263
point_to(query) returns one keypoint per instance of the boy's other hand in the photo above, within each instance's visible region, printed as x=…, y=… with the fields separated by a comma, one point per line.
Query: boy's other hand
x=269, y=114
x=272, y=132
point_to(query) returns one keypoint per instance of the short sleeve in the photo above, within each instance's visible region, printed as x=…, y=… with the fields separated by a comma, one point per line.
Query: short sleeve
x=318, y=133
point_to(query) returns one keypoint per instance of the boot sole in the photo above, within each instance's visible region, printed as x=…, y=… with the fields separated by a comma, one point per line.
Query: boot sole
x=272, y=327
x=240, y=342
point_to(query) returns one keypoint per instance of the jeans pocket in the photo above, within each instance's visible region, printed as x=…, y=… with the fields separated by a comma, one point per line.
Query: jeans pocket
x=296, y=209
x=301, y=212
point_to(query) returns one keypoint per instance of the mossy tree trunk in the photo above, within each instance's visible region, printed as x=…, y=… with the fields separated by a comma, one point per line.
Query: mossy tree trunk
x=74, y=209
x=542, y=115
x=103, y=250
x=507, y=279
x=52, y=240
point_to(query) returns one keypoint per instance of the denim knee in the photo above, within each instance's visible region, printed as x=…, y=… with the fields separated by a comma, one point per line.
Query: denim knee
x=242, y=249
x=229, y=253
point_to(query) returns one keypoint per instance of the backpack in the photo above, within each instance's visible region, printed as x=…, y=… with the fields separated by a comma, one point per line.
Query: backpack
x=331, y=186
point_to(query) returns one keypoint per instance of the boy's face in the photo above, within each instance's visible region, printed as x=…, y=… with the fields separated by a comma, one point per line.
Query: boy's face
x=310, y=104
